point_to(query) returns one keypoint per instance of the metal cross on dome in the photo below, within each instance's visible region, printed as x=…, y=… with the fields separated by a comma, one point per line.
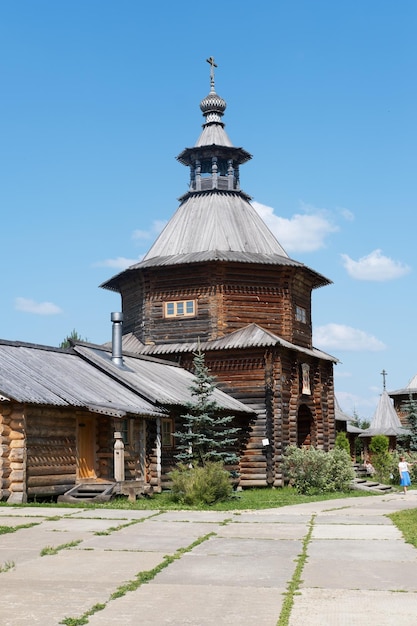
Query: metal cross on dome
x=212, y=66
x=384, y=375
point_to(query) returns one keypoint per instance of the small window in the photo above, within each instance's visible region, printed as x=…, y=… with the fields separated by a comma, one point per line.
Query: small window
x=167, y=429
x=301, y=314
x=126, y=430
x=180, y=308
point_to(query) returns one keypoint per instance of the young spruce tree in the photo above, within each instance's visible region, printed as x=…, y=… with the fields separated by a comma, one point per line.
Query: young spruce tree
x=410, y=408
x=206, y=435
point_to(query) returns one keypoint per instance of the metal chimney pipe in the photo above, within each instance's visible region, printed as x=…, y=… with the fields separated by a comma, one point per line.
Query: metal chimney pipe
x=116, y=344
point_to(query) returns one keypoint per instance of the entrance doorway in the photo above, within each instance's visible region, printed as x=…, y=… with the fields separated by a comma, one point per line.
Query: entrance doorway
x=305, y=424
x=86, y=443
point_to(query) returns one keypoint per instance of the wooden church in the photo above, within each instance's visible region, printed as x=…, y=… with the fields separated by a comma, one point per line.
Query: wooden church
x=217, y=279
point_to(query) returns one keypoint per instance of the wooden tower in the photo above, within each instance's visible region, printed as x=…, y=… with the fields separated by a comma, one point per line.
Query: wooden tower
x=218, y=278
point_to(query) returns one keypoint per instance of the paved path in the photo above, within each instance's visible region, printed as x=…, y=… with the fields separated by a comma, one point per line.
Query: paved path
x=219, y=568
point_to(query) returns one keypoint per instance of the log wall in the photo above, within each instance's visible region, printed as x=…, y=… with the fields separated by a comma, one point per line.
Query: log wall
x=270, y=382
x=39, y=455
x=51, y=467
x=13, y=453
x=228, y=298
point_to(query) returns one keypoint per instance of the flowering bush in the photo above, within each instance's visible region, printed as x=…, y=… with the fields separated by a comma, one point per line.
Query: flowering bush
x=312, y=471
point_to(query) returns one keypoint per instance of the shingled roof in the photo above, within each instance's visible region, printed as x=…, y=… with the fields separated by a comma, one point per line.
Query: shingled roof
x=385, y=420
x=215, y=220
x=86, y=377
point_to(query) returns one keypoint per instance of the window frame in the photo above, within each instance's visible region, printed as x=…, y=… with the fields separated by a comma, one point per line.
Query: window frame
x=176, y=305
x=300, y=314
x=169, y=434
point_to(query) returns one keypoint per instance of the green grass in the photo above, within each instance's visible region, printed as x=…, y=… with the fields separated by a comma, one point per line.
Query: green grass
x=12, y=529
x=406, y=522
x=296, y=580
x=5, y=567
x=248, y=499
x=49, y=550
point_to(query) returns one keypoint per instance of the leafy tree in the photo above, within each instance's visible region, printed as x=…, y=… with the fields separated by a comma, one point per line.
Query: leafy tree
x=74, y=336
x=207, y=436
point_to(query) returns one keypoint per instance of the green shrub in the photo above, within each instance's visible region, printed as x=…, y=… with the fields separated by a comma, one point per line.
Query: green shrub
x=379, y=443
x=381, y=458
x=200, y=485
x=342, y=442
x=313, y=471
x=341, y=472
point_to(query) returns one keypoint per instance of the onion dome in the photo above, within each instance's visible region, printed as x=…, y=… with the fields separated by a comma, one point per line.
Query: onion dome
x=212, y=106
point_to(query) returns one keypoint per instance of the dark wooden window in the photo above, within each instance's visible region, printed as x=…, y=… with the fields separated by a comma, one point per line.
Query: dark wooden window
x=167, y=429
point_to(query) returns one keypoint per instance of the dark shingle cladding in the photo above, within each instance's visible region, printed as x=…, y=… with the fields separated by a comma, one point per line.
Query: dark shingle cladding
x=215, y=220
x=385, y=420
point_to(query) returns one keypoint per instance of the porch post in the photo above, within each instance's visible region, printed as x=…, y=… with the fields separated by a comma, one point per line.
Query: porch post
x=119, y=458
x=158, y=452
x=142, y=450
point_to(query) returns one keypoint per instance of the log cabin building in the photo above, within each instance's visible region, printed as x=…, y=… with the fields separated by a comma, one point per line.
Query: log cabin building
x=218, y=279
x=65, y=415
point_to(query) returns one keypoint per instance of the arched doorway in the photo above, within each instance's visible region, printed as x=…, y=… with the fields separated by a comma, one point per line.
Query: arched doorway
x=305, y=426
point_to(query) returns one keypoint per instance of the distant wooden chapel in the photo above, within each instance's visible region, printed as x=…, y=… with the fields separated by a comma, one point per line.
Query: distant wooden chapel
x=217, y=278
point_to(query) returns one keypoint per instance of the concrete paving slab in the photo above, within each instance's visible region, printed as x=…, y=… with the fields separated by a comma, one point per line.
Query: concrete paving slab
x=114, y=514
x=267, y=568
x=37, y=538
x=46, y=603
x=150, y=536
x=212, y=517
x=199, y=606
x=96, y=565
x=257, y=548
x=18, y=521
x=356, y=531
x=35, y=511
x=85, y=525
x=15, y=555
x=361, y=550
x=358, y=518
x=226, y=571
x=339, y=607
x=258, y=517
x=348, y=574
x=265, y=531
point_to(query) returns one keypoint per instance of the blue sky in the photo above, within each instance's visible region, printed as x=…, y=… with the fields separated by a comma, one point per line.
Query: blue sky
x=98, y=98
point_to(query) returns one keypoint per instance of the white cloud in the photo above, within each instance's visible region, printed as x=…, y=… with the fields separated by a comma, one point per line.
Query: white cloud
x=347, y=215
x=304, y=232
x=119, y=262
x=338, y=374
x=141, y=234
x=353, y=404
x=39, y=308
x=156, y=228
x=374, y=266
x=341, y=337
